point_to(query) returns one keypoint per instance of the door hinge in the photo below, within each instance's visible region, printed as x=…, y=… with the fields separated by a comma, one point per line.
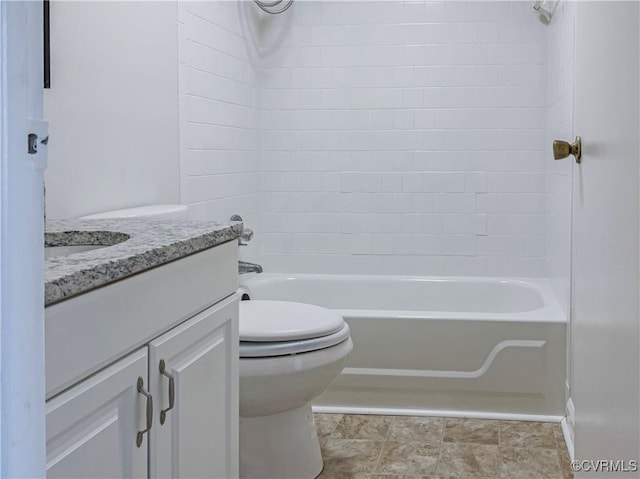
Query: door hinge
x=32, y=143
x=37, y=141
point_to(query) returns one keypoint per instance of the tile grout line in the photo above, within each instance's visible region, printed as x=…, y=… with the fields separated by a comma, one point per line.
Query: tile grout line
x=444, y=426
x=499, y=449
x=335, y=426
x=384, y=442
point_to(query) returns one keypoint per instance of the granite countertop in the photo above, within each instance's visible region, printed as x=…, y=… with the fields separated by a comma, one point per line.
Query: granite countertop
x=137, y=245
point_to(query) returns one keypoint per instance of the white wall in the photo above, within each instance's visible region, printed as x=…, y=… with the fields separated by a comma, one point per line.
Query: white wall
x=219, y=140
x=404, y=138
x=112, y=106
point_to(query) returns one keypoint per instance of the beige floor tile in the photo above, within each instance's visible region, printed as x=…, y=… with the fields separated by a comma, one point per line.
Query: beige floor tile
x=563, y=453
x=468, y=459
x=527, y=434
x=326, y=424
x=557, y=433
x=565, y=463
x=408, y=458
x=460, y=477
x=416, y=429
x=343, y=475
x=395, y=476
x=350, y=455
x=560, y=442
x=386, y=447
x=371, y=428
x=475, y=431
x=528, y=463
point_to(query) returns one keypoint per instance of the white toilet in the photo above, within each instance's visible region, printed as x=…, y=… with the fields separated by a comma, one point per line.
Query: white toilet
x=289, y=354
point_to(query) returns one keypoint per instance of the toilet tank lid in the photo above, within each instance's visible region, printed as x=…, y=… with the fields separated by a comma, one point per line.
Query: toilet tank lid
x=156, y=212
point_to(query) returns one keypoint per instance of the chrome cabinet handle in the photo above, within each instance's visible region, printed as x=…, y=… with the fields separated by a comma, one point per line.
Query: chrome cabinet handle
x=172, y=392
x=149, y=411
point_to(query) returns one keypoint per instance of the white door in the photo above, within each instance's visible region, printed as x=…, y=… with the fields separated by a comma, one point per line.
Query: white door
x=92, y=429
x=21, y=241
x=199, y=437
x=605, y=332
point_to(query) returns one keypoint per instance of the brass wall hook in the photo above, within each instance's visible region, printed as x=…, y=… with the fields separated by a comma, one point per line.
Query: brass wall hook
x=562, y=149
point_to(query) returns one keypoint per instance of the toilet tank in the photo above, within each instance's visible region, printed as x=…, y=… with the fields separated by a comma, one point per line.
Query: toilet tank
x=151, y=212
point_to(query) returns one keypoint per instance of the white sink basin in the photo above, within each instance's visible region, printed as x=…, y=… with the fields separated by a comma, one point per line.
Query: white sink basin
x=53, y=251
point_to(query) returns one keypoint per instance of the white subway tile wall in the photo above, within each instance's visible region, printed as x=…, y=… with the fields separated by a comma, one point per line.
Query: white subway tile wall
x=404, y=137
x=381, y=137
x=219, y=113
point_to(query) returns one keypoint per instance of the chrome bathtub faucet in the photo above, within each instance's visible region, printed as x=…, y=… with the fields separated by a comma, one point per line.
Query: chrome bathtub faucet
x=245, y=235
x=246, y=267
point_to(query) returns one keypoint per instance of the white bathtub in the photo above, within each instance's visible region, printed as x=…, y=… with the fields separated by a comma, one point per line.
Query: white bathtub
x=474, y=347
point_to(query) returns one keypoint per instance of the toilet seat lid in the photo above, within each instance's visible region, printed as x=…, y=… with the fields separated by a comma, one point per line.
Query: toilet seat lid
x=254, y=349
x=271, y=321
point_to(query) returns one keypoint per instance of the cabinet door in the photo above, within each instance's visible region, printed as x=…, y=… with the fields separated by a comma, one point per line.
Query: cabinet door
x=199, y=438
x=92, y=427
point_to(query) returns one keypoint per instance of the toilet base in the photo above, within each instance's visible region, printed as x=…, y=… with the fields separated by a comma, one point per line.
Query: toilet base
x=280, y=446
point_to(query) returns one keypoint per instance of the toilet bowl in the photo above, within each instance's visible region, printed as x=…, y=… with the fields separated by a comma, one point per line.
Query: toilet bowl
x=289, y=354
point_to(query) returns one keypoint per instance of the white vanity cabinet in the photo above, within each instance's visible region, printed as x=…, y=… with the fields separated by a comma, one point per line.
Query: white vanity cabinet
x=95, y=409
x=197, y=435
x=92, y=428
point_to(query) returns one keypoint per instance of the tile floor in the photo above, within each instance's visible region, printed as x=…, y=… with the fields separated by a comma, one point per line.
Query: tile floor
x=400, y=447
